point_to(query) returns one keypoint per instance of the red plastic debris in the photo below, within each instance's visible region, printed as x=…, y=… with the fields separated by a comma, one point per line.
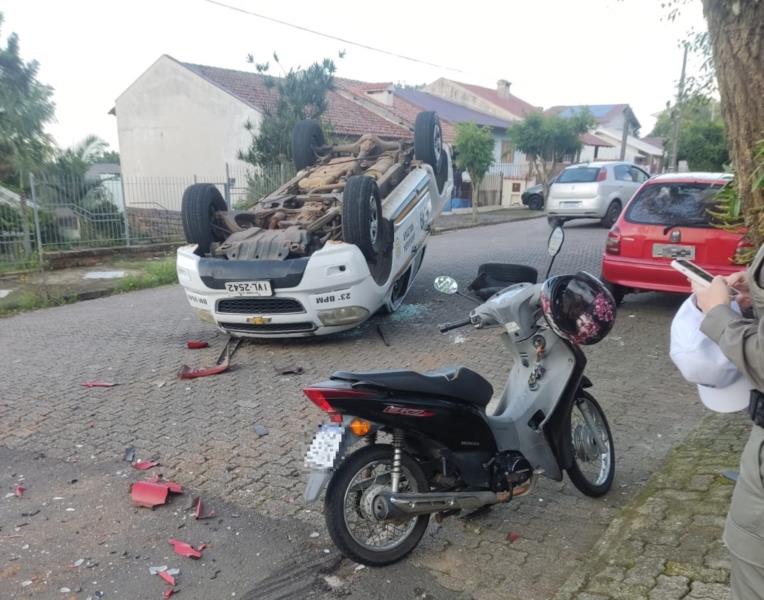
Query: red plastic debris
x=198, y=511
x=187, y=372
x=196, y=344
x=149, y=493
x=168, y=593
x=143, y=465
x=513, y=537
x=185, y=549
x=167, y=577
x=20, y=489
x=98, y=383
x=175, y=488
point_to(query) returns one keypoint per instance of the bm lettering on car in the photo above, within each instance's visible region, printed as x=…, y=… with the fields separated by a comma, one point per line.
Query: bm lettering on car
x=408, y=412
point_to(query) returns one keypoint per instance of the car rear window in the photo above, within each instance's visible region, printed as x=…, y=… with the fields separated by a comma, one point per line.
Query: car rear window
x=682, y=204
x=579, y=175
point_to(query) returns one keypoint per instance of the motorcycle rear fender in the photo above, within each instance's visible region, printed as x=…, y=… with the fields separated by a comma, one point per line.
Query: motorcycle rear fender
x=319, y=478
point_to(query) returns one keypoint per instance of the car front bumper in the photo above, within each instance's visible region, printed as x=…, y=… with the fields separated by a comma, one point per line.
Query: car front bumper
x=329, y=292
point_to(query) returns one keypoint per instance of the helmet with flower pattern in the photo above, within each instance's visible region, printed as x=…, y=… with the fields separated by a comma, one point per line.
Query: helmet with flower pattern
x=578, y=307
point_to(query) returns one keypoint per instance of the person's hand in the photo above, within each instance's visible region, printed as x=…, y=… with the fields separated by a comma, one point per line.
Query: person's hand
x=715, y=294
x=738, y=282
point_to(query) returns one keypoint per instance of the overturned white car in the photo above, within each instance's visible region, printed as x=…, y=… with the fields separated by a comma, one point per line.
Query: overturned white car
x=344, y=238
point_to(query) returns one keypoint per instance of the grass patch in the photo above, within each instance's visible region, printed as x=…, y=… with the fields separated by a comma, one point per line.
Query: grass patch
x=33, y=300
x=154, y=274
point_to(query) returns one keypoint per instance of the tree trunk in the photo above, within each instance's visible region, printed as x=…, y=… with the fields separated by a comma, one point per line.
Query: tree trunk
x=736, y=32
x=475, y=196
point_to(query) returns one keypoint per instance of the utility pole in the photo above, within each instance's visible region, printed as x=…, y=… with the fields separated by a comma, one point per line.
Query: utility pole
x=676, y=117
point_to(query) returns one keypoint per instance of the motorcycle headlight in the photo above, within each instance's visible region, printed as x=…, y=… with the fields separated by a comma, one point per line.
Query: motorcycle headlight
x=347, y=315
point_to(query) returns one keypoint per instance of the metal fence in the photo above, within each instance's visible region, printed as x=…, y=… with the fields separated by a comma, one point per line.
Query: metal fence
x=58, y=214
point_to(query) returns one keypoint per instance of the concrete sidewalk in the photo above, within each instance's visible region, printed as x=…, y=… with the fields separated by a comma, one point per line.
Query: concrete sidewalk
x=667, y=543
x=450, y=221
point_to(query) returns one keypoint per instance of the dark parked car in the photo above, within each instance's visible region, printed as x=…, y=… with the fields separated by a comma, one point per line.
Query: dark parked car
x=533, y=197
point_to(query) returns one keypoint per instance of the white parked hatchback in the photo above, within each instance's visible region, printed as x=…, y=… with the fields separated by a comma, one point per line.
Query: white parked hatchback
x=595, y=190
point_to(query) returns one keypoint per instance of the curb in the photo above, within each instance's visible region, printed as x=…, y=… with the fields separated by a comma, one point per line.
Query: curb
x=438, y=230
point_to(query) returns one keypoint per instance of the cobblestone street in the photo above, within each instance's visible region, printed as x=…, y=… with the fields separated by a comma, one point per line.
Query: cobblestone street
x=203, y=430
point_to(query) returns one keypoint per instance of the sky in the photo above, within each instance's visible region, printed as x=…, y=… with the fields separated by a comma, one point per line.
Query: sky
x=553, y=51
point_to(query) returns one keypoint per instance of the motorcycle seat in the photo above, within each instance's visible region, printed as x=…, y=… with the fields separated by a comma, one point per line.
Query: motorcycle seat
x=456, y=383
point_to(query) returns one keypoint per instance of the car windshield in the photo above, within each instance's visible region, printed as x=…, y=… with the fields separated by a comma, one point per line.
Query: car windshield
x=675, y=204
x=578, y=175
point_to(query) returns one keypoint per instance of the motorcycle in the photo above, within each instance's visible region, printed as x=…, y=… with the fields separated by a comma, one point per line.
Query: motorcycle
x=445, y=453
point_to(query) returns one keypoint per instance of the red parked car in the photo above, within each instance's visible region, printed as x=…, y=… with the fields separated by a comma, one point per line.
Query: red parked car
x=668, y=218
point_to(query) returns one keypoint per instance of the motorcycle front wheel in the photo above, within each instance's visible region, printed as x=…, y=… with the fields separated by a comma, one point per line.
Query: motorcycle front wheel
x=348, y=507
x=591, y=446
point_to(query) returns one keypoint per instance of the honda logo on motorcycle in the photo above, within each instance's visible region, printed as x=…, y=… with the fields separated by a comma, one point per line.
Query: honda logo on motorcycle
x=408, y=412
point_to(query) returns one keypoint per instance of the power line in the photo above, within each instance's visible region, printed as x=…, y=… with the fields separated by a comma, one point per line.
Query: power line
x=332, y=37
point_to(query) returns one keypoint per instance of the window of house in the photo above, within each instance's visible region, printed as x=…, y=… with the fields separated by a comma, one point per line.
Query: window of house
x=507, y=152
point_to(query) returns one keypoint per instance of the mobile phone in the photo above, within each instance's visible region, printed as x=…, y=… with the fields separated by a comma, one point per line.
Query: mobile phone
x=693, y=272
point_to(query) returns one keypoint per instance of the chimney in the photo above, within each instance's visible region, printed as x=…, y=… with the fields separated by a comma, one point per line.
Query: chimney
x=502, y=88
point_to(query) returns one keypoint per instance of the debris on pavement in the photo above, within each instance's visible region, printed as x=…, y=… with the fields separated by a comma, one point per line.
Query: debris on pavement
x=186, y=549
x=199, y=513
x=168, y=593
x=261, y=430
x=290, y=370
x=187, y=372
x=382, y=336
x=512, y=537
x=175, y=488
x=196, y=344
x=129, y=455
x=143, y=465
x=19, y=491
x=167, y=577
x=149, y=494
x=98, y=383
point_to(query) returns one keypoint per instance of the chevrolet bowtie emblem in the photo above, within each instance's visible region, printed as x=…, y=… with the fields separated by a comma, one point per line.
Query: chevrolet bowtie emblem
x=258, y=320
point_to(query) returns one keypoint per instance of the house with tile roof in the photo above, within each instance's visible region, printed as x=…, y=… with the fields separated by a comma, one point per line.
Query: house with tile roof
x=182, y=120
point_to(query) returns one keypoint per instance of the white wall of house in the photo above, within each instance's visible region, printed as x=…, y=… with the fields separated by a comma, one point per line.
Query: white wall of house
x=173, y=123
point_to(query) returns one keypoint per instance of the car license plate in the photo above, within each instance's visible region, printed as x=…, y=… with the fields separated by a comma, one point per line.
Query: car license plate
x=673, y=251
x=249, y=288
x=325, y=448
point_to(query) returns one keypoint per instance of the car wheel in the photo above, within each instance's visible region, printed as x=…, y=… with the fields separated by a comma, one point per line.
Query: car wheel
x=362, y=222
x=612, y=214
x=307, y=138
x=428, y=138
x=441, y=173
x=618, y=292
x=536, y=202
x=198, y=207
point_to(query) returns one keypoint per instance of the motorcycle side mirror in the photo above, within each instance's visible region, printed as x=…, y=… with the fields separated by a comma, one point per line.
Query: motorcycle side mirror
x=556, y=238
x=446, y=285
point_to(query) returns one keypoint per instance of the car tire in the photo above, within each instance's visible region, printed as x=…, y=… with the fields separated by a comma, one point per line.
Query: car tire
x=618, y=292
x=307, y=138
x=428, y=139
x=536, y=202
x=198, y=207
x=611, y=216
x=362, y=222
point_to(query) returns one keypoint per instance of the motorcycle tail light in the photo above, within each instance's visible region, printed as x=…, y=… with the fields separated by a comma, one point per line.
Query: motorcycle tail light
x=321, y=397
x=613, y=243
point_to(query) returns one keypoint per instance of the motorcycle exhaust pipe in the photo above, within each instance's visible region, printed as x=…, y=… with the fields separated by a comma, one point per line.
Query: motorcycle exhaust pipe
x=402, y=506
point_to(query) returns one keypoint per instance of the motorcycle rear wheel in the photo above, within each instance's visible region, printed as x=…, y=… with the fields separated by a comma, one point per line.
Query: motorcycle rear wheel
x=593, y=466
x=356, y=535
